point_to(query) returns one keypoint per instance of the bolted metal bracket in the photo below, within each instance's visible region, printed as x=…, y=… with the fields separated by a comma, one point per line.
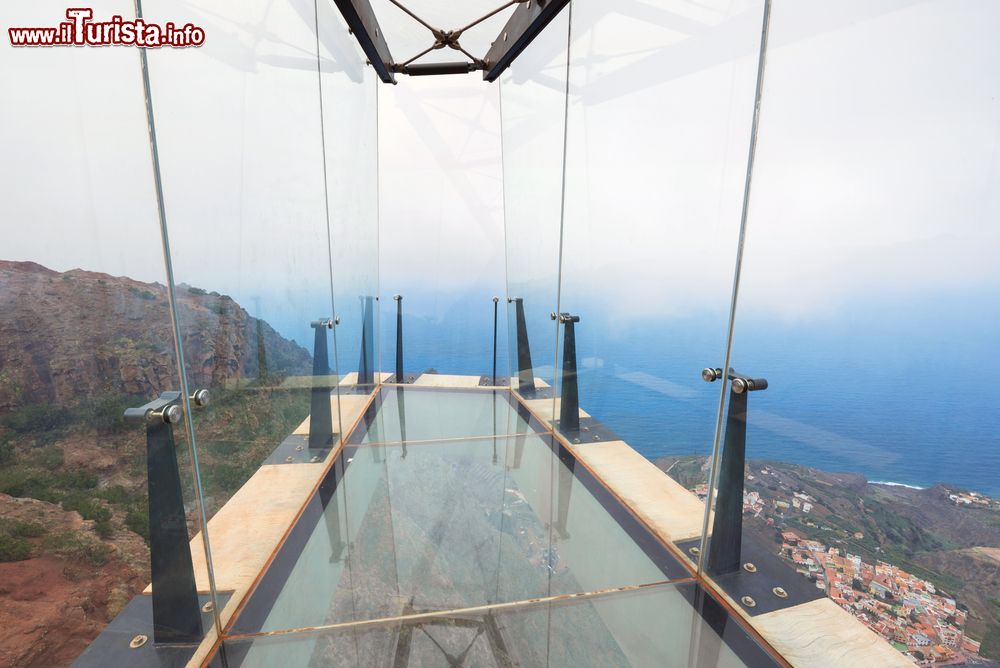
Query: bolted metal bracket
x=770, y=584
x=165, y=409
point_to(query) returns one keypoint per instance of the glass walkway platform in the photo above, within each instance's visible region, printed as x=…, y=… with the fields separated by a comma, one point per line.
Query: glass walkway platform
x=454, y=528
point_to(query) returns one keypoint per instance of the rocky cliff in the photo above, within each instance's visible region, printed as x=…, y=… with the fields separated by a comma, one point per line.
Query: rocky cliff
x=69, y=336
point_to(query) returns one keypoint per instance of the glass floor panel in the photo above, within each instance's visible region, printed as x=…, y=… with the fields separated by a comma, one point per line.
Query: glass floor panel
x=664, y=625
x=405, y=528
x=435, y=527
x=406, y=414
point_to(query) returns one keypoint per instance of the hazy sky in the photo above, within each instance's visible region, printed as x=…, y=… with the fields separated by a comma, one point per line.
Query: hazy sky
x=877, y=165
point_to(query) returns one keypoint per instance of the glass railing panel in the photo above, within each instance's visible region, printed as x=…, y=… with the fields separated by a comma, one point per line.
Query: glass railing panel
x=86, y=334
x=350, y=133
x=533, y=103
x=657, y=133
x=666, y=625
x=241, y=128
x=441, y=232
x=244, y=193
x=658, y=127
x=868, y=302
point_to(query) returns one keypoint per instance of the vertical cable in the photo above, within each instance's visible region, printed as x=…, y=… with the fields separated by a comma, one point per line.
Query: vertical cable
x=175, y=324
x=751, y=154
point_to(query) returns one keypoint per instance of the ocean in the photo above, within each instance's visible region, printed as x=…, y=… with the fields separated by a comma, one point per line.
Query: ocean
x=903, y=395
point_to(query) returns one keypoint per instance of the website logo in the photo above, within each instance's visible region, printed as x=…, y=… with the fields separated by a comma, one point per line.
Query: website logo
x=82, y=30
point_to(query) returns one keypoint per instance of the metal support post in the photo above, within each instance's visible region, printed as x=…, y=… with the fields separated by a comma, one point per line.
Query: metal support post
x=320, y=411
x=525, y=372
x=366, y=365
x=727, y=529
x=569, y=401
x=399, y=338
x=496, y=301
x=176, y=611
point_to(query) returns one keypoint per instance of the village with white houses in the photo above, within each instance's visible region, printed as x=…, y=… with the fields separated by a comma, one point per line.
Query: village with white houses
x=906, y=610
x=902, y=608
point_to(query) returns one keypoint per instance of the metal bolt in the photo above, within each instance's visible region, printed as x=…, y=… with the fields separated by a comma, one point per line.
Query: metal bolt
x=597, y=437
x=709, y=375
x=172, y=414
x=576, y=440
x=289, y=459
x=748, y=601
x=505, y=37
x=779, y=592
x=740, y=386
x=749, y=567
x=200, y=398
x=298, y=448
x=694, y=551
x=496, y=299
x=138, y=641
x=208, y=607
x=553, y=315
x=314, y=459
x=397, y=298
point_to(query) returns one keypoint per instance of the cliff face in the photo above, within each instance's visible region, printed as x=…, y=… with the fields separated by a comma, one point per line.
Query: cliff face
x=66, y=337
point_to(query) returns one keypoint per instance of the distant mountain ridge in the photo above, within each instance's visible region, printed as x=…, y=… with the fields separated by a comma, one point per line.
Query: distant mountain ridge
x=69, y=336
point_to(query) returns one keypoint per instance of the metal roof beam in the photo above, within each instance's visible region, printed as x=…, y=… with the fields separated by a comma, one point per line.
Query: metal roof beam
x=522, y=28
x=361, y=20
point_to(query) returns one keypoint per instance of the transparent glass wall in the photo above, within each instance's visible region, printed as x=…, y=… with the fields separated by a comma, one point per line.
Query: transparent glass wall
x=441, y=228
x=256, y=195
x=533, y=103
x=868, y=300
x=86, y=333
x=660, y=101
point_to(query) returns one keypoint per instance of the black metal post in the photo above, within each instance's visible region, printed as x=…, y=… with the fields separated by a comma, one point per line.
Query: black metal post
x=320, y=411
x=727, y=529
x=176, y=611
x=399, y=338
x=366, y=371
x=525, y=372
x=496, y=301
x=569, y=397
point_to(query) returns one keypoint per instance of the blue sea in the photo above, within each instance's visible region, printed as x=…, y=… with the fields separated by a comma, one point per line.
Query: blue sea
x=901, y=392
